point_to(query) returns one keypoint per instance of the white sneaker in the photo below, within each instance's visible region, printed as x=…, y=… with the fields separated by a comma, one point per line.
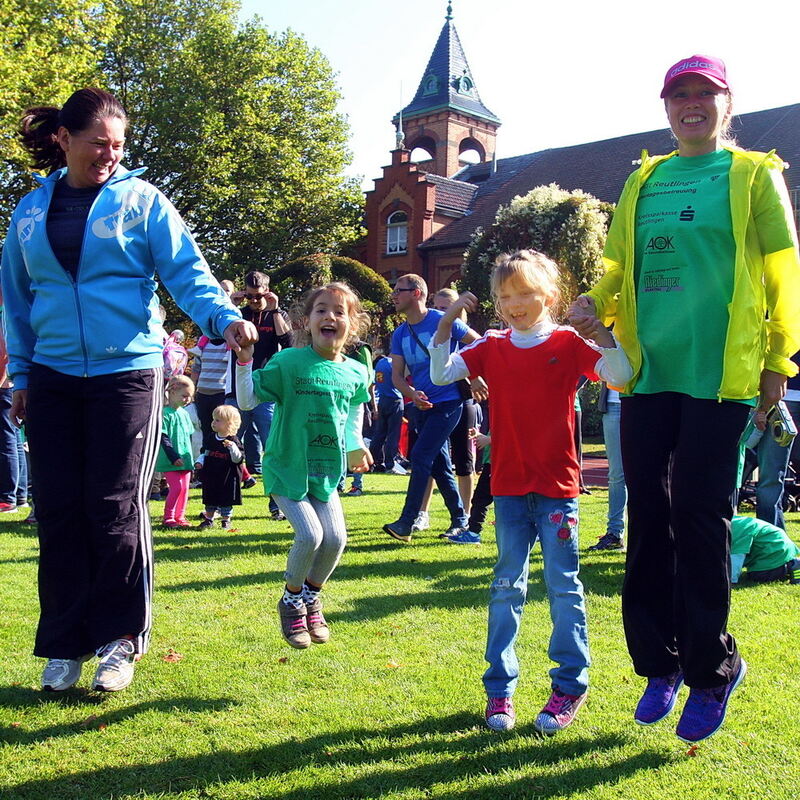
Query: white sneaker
x=422, y=522
x=115, y=670
x=62, y=673
x=398, y=470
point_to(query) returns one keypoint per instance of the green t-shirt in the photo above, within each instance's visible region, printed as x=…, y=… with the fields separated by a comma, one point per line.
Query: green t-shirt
x=305, y=452
x=177, y=424
x=766, y=546
x=684, y=269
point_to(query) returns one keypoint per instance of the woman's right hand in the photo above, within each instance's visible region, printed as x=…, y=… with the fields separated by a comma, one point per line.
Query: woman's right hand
x=19, y=402
x=582, y=315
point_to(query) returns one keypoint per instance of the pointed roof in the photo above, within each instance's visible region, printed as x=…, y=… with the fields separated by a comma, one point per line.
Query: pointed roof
x=447, y=82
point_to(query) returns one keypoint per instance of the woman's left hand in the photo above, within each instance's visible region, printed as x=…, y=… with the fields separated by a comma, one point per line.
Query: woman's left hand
x=240, y=333
x=772, y=388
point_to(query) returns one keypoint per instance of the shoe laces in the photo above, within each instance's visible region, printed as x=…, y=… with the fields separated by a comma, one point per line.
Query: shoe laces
x=116, y=652
x=499, y=705
x=559, y=703
x=298, y=624
x=316, y=618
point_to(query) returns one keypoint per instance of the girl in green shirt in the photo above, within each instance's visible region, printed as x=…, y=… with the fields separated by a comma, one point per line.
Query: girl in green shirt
x=318, y=395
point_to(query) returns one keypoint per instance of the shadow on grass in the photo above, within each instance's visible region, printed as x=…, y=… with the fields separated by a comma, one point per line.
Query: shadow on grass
x=463, y=752
x=13, y=696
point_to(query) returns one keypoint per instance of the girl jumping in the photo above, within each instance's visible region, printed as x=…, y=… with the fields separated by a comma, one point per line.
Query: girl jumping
x=318, y=395
x=534, y=471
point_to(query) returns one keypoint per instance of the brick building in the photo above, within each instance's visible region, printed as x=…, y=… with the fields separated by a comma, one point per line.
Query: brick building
x=420, y=216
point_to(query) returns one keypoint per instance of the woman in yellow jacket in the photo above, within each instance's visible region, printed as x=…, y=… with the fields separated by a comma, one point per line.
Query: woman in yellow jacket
x=703, y=286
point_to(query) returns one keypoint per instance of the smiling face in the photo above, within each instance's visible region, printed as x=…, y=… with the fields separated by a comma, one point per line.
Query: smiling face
x=329, y=324
x=522, y=305
x=179, y=395
x=697, y=111
x=93, y=153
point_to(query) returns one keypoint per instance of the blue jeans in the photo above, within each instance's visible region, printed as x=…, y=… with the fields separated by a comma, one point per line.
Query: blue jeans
x=386, y=431
x=617, y=491
x=773, y=462
x=9, y=452
x=520, y=521
x=430, y=456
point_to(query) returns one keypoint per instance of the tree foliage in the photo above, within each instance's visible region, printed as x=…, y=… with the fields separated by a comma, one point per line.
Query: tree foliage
x=236, y=124
x=47, y=48
x=569, y=227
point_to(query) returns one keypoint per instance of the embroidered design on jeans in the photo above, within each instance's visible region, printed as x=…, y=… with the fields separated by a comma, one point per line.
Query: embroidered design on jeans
x=556, y=517
x=566, y=528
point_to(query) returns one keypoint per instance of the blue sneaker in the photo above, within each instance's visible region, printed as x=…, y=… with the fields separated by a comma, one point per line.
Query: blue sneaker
x=464, y=537
x=705, y=709
x=658, y=699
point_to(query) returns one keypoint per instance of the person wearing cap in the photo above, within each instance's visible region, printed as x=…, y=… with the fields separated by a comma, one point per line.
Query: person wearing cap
x=702, y=283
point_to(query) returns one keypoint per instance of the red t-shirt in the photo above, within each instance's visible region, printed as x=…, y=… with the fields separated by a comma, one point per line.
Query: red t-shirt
x=532, y=420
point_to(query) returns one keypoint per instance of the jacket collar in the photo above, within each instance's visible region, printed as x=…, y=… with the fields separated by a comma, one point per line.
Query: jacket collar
x=120, y=174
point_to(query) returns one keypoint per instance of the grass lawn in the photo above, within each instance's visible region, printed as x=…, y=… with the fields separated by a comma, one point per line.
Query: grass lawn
x=392, y=707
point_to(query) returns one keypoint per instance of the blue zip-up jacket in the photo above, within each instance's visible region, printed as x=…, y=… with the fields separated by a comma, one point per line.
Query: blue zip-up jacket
x=107, y=320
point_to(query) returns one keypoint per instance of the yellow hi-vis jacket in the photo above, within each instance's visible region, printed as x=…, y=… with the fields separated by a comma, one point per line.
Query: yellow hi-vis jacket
x=764, y=312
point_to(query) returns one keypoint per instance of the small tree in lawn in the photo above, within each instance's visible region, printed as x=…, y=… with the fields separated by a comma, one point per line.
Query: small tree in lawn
x=569, y=227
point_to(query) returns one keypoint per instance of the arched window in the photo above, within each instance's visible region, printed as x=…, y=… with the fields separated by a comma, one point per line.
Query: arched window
x=397, y=233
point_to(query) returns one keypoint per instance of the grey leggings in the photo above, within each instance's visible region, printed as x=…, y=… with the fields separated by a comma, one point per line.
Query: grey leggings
x=319, y=538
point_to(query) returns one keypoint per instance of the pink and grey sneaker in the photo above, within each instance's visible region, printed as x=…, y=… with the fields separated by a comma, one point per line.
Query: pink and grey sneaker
x=318, y=628
x=293, y=625
x=559, y=712
x=500, y=714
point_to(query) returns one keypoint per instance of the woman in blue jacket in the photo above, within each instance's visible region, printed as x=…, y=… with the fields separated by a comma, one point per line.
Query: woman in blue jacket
x=85, y=354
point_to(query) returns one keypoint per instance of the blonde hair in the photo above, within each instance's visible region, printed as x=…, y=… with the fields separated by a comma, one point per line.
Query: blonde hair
x=452, y=296
x=179, y=380
x=230, y=416
x=530, y=268
x=359, y=320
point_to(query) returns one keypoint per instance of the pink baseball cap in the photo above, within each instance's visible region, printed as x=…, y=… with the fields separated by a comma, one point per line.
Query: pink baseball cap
x=707, y=66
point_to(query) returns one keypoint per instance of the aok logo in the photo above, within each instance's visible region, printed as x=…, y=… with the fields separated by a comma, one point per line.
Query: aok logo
x=660, y=244
x=325, y=440
x=687, y=215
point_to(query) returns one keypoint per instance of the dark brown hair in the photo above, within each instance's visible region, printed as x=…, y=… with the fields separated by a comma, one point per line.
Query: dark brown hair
x=39, y=125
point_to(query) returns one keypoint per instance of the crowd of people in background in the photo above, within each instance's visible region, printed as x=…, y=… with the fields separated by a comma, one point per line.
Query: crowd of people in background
x=694, y=384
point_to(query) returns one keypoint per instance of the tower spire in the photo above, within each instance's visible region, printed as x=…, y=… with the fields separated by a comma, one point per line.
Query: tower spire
x=449, y=15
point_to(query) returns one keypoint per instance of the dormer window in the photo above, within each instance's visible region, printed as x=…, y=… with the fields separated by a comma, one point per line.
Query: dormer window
x=463, y=85
x=430, y=85
x=397, y=233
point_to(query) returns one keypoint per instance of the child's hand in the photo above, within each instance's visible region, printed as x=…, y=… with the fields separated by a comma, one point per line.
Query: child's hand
x=582, y=315
x=466, y=301
x=482, y=440
x=480, y=391
x=359, y=460
x=178, y=462
x=245, y=353
x=421, y=401
x=227, y=443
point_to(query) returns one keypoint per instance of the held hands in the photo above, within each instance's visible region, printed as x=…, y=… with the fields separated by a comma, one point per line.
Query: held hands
x=178, y=462
x=481, y=439
x=582, y=315
x=246, y=353
x=239, y=334
x=420, y=399
x=359, y=460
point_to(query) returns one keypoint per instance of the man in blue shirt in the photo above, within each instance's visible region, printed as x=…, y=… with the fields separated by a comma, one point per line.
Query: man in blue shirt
x=436, y=409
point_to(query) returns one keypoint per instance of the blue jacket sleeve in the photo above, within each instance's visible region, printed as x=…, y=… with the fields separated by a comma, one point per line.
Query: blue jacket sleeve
x=17, y=302
x=183, y=270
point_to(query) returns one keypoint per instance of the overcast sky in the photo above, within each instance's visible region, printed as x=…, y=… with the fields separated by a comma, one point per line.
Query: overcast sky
x=556, y=73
